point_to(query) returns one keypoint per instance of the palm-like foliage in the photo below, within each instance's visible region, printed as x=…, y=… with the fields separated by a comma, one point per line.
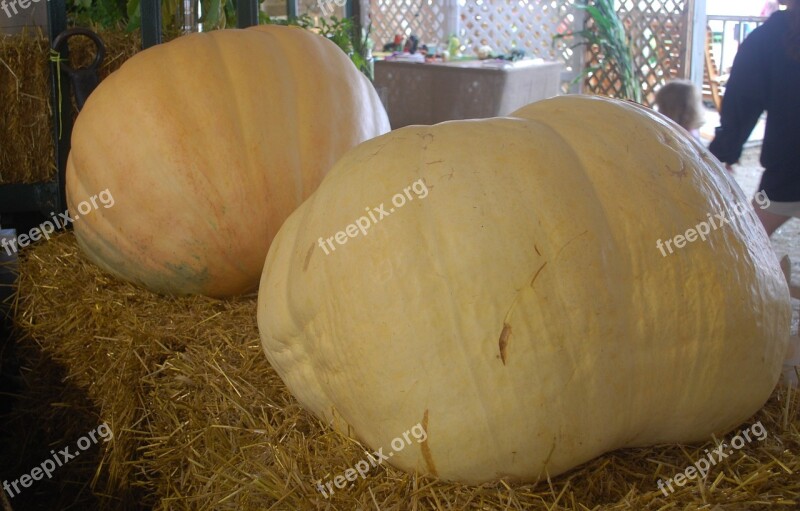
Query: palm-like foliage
x=608, y=33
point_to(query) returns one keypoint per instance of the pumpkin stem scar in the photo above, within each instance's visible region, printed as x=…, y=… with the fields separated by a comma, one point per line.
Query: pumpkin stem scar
x=504, y=335
x=425, y=448
x=308, y=256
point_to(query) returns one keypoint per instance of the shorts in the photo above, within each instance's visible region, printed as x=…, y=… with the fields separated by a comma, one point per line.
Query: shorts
x=783, y=208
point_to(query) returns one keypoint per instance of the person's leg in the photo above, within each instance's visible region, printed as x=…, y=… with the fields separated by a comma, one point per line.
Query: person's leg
x=770, y=221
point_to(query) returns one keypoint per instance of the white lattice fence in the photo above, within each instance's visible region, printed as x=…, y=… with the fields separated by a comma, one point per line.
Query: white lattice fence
x=314, y=8
x=507, y=24
x=502, y=24
x=423, y=18
x=659, y=30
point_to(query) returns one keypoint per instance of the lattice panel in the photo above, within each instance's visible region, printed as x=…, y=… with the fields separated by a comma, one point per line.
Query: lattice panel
x=423, y=18
x=507, y=24
x=659, y=30
x=314, y=8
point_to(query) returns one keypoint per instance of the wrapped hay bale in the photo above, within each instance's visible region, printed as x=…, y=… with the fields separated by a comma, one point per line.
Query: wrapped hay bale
x=201, y=421
x=26, y=128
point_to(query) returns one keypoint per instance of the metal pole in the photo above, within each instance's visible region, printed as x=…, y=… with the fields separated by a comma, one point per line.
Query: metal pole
x=151, y=23
x=246, y=13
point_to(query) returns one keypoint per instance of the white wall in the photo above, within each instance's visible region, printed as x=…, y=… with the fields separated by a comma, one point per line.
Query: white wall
x=734, y=7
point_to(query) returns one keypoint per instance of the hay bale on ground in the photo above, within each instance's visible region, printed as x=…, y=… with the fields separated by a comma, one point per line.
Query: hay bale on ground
x=48, y=414
x=26, y=128
x=201, y=421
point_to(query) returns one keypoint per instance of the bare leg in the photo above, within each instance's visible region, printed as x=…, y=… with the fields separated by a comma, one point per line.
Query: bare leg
x=770, y=221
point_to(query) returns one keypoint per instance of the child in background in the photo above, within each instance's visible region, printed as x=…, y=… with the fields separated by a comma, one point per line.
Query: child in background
x=681, y=101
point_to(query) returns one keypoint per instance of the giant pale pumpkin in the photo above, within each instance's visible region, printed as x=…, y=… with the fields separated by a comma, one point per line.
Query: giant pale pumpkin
x=519, y=308
x=206, y=144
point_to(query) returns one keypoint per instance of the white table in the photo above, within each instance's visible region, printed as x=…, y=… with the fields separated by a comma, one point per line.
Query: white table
x=421, y=93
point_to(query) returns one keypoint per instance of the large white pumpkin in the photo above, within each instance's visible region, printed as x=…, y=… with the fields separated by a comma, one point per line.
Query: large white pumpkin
x=522, y=310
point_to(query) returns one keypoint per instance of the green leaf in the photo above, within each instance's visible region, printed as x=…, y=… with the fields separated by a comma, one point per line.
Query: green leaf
x=212, y=13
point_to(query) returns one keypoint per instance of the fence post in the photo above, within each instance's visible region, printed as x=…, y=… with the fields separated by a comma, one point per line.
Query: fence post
x=246, y=13
x=696, y=42
x=151, y=23
x=578, y=54
x=451, y=17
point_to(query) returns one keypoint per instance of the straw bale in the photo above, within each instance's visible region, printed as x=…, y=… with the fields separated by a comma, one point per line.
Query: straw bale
x=26, y=127
x=201, y=421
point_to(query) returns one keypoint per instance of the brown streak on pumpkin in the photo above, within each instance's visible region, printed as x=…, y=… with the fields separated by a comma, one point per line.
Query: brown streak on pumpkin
x=426, y=138
x=537, y=250
x=570, y=241
x=537, y=273
x=308, y=256
x=380, y=148
x=504, y=335
x=425, y=448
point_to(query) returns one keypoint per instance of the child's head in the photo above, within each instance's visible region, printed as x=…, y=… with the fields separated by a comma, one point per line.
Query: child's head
x=680, y=101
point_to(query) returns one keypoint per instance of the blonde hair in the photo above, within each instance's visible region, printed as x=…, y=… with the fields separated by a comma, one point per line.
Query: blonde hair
x=680, y=101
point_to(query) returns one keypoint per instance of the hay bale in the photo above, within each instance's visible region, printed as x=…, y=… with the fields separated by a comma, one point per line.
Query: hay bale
x=48, y=413
x=201, y=421
x=26, y=127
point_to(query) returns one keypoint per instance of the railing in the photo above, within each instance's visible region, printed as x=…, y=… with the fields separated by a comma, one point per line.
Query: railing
x=728, y=33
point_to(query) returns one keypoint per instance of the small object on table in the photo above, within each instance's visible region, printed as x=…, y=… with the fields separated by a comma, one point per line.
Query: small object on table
x=411, y=44
x=454, y=47
x=396, y=45
x=485, y=52
x=517, y=54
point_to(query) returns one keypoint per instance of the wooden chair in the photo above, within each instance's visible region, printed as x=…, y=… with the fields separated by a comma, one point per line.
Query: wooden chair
x=713, y=82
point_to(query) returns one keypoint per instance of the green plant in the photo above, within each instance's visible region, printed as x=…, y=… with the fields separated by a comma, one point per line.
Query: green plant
x=98, y=13
x=216, y=14
x=342, y=32
x=111, y=14
x=607, y=33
